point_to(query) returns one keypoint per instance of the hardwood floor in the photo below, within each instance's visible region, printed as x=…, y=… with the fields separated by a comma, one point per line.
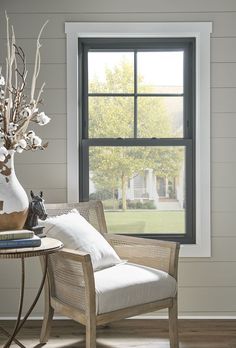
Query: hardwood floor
x=140, y=333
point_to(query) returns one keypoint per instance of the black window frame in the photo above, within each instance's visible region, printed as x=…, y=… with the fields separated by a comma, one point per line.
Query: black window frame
x=188, y=45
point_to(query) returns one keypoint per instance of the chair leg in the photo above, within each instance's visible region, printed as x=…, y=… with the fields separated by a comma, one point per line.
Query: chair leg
x=173, y=324
x=91, y=334
x=47, y=324
x=48, y=315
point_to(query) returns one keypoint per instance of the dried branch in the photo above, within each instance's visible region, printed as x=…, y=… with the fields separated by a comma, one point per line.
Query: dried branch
x=36, y=64
x=22, y=128
x=6, y=79
x=8, y=38
x=39, y=62
x=15, y=60
x=40, y=92
x=19, y=53
x=8, y=83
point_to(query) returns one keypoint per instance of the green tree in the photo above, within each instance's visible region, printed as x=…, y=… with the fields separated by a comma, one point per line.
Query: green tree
x=113, y=166
x=112, y=117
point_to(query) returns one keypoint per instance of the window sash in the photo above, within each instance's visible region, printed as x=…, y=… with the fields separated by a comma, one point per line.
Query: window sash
x=134, y=45
x=189, y=235
x=188, y=140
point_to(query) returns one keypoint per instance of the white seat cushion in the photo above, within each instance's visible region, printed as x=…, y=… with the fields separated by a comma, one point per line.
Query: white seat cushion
x=130, y=284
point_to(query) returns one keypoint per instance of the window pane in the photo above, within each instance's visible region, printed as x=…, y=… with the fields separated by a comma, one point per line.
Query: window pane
x=160, y=117
x=160, y=72
x=111, y=117
x=142, y=188
x=111, y=72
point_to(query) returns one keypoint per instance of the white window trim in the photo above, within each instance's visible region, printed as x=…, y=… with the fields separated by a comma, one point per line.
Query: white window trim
x=201, y=31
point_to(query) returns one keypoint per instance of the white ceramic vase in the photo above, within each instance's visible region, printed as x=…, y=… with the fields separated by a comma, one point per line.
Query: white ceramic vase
x=14, y=202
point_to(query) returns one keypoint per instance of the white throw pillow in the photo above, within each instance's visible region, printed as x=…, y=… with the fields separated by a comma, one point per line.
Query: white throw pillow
x=76, y=232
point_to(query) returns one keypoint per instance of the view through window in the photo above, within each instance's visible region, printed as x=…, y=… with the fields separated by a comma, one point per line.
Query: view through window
x=137, y=134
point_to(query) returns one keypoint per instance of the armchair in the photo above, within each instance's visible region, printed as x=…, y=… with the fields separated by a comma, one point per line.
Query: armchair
x=73, y=289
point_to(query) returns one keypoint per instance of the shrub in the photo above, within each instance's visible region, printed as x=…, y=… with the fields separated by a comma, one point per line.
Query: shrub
x=136, y=204
x=149, y=205
x=101, y=195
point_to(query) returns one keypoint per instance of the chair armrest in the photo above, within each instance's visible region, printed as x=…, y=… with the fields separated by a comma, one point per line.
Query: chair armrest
x=71, y=278
x=76, y=255
x=153, y=253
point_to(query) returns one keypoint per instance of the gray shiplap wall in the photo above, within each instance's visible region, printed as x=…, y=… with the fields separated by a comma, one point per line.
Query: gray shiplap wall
x=207, y=285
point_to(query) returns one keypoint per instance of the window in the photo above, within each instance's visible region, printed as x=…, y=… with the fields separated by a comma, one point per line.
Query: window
x=200, y=31
x=137, y=139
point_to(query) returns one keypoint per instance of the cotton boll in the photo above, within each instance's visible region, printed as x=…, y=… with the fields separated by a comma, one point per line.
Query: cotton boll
x=26, y=112
x=42, y=119
x=33, y=140
x=22, y=143
x=30, y=134
x=2, y=81
x=2, y=94
x=20, y=146
x=36, y=141
x=12, y=127
x=3, y=153
x=19, y=149
x=30, y=139
x=2, y=138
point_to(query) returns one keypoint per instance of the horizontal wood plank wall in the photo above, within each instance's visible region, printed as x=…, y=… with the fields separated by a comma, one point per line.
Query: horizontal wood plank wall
x=207, y=286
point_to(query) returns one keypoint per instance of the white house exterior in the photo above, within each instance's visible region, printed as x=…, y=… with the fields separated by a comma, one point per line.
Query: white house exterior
x=166, y=193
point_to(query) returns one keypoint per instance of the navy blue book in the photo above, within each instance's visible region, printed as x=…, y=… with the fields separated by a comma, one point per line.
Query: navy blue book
x=20, y=243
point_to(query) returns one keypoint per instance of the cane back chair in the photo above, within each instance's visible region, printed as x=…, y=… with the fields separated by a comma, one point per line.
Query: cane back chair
x=70, y=286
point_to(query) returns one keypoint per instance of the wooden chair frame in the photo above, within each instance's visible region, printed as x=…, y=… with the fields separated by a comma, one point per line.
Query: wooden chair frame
x=161, y=255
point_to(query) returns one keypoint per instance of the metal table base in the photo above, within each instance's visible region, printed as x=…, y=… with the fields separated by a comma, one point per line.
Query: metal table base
x=20, y=321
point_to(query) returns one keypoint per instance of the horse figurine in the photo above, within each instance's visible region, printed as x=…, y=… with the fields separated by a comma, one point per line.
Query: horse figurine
x=36, y=210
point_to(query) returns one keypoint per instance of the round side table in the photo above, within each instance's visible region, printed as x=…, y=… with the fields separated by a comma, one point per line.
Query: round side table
x=48, y=246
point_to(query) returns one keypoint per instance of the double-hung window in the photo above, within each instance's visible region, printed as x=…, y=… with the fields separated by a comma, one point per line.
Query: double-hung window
x=137, y=134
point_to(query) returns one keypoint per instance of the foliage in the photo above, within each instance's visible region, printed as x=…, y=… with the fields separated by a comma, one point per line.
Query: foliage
x=101, y=195
x=136, y=204
x=112, y=117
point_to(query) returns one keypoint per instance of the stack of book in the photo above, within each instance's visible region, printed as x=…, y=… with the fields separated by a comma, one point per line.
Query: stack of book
x=18, y=239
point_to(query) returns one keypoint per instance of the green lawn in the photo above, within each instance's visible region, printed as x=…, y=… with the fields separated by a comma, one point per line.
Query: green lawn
x=145, y=221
